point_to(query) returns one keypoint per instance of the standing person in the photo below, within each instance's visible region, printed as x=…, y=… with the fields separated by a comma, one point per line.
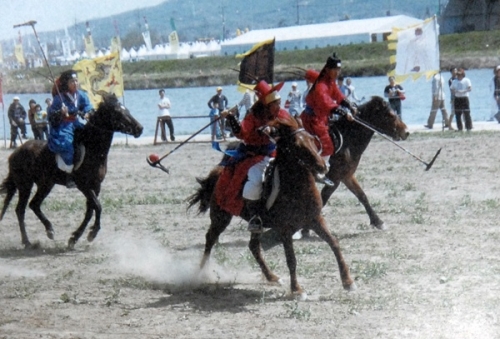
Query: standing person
x=343, y=87
x=63, y=118
x=214, y=127
x=247, y=101
x=294, y=98
x=48, y=102
x=495, y=89
x=31, y=117
x=325, y=102
x=453, y=72
x=393, y=92
x=438, y=98
x=164, y=115
x=222, y=103
x=461, y=87
x=41, y=122
x=352, y=95
x=17, y=117
x=257, y=147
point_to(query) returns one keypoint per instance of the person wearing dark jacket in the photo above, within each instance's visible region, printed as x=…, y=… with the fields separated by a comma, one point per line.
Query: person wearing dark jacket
x=17, y=116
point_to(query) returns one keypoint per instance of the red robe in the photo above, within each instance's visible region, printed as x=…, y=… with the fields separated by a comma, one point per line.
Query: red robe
x=325, y=98
x=229, y=187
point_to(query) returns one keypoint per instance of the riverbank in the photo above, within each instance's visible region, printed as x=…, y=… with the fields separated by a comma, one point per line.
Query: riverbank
x=473, y=50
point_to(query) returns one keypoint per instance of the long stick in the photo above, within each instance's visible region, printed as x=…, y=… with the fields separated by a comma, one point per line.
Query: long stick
x=157, y=162
x=428, y=165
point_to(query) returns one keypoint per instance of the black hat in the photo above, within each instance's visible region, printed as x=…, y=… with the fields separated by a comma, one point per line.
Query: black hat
x=333, y=61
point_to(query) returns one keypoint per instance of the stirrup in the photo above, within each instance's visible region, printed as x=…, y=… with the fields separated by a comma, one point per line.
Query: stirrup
x=255, y=225
x=322, y=179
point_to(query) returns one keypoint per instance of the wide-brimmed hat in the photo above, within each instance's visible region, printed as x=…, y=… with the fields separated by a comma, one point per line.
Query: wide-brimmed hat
x=333, y=61
x=267, y=93
x=15, y=98
x=497, y=68
x=311, y=75
x=219, y=89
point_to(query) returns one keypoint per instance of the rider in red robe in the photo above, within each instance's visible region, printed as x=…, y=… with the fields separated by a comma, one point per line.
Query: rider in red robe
x=257, y=145
x=325, y=102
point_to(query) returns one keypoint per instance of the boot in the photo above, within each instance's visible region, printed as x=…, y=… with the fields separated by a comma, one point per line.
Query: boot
x=255, y=223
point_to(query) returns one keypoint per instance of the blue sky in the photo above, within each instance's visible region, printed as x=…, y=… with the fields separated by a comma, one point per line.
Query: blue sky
x=57, y=14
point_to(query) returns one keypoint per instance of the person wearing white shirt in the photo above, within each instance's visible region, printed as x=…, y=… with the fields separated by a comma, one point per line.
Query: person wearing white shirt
x=164, y=114
x=438, y=98
x=461, y=87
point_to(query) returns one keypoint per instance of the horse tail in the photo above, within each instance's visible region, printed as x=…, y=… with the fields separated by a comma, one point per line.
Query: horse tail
x=204, y=194
x=9, y=188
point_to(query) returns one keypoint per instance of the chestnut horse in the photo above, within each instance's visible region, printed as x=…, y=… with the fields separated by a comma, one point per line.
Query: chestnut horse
x=297, y=202
x=34, y=163
x=356, y=137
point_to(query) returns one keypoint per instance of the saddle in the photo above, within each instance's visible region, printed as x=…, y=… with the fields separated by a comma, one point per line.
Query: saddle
x=78, y=157
x=336, y=137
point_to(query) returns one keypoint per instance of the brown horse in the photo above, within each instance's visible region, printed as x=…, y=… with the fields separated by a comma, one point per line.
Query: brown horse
x=356, y=137
x=298, y=202
x=34, y=163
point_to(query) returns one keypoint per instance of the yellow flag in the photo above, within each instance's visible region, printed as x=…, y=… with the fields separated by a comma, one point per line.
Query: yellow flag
x=18, y=51
x=173, y=39
x=100, y=76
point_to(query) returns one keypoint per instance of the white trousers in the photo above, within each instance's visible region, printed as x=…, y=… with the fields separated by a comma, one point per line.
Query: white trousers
x=253, y=187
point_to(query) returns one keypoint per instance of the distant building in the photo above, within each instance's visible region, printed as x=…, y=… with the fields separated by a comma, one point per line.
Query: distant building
x=462, y=16
x=320, y=35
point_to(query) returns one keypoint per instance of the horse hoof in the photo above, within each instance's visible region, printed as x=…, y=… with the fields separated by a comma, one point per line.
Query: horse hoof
x=300, y=296
x=90, y=237
x=380, y=226
x=351, y=288
x=50, y=234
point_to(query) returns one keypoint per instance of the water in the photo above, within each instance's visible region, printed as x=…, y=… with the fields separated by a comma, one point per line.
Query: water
x=193, y=101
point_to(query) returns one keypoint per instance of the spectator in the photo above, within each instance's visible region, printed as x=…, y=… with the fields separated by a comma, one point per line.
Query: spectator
x=438, y=98
x=393, y=92
x=247, y=102
x=164, y=115
x=461, y=87
x=352, y=94
x=453, y=72
x=48, y=102
x=41, y=122
x=294, y=99
x=495, y=89
x=222, y=103
x=31, y=117
x=343, y=87
x=17, y=117
x=214, y=127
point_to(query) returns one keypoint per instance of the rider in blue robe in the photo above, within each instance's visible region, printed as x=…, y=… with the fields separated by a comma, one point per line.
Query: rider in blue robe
x=63, y=119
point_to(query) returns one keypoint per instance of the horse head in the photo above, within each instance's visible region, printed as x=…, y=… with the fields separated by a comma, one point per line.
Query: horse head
x=298, y=145
x=379, y=115
x=111, y=115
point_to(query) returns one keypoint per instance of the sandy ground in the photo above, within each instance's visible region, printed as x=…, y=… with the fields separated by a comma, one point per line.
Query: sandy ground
x=434, y=273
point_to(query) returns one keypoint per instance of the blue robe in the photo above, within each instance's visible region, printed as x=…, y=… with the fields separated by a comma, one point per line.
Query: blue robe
x=61, y=135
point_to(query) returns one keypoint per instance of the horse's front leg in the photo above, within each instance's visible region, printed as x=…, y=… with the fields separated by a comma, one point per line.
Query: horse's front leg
x=254, y=246
x=35, y=204
x=322, y=231
x=291, y=262
x=352, y=184
x=88, y=215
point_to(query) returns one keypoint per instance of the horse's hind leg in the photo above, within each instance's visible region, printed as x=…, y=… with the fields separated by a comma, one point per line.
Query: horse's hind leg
x=96, y=205
x=352, y=184
x=254, y=246
x=322, y=231
x=219, y=221
x=35, y=204
x=24, y=195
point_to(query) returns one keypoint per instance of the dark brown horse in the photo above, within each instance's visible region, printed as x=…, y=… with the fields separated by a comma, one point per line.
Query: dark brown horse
x=356, y=138
x=34, y=163
x=297, y=202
